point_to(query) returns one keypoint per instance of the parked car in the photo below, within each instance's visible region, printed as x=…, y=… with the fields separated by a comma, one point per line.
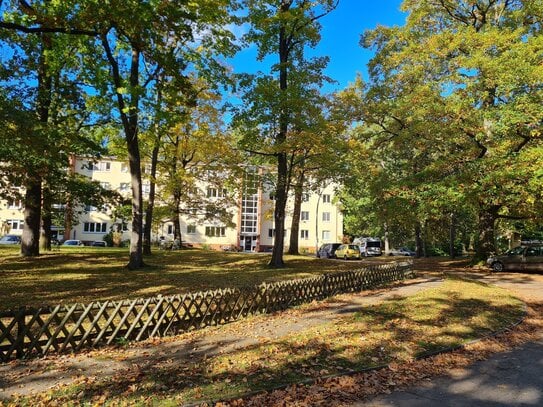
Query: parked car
x=402, y=251
x=73, y=242
x=348, y=251
x=328, y=250
x=369, y=246
x=10, y=239
x=522, y=258
x=99, y=243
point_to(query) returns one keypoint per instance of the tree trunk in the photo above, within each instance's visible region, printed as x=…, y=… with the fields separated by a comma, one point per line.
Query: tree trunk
x=281, y=192
x=150, y=204
x=279, y=211
x=30, y=241
x=46, y=219
x=387, y=241
x=152, y=188
x=486, y=244
x=418, y=240
x=452, y=235
x=136, y=244
x=177, y=215
x=293, y=247
x=129, y=118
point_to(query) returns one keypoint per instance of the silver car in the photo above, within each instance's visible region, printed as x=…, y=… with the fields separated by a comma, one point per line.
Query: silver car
x=521, y=258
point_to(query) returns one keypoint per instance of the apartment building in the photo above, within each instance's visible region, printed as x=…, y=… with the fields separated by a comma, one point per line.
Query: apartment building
x=251, y=212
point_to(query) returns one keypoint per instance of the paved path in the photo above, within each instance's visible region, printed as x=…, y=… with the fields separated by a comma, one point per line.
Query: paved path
x=512, y=378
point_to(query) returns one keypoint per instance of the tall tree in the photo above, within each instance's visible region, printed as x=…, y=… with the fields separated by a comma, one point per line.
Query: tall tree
x=39, y=77
x=284, y=28
x=133, y=40
x=460, y=85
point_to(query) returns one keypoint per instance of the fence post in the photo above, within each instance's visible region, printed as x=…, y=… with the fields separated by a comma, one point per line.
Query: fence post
x=20, y=338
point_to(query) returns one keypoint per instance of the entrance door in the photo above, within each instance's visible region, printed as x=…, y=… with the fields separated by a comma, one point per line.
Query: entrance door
x=247, y=243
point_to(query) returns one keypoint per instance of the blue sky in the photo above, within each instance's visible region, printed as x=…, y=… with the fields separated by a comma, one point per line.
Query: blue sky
x=340, y=33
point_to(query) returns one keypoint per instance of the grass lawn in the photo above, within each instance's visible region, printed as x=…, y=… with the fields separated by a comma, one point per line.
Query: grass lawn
x=393, y=331
x=69, y=275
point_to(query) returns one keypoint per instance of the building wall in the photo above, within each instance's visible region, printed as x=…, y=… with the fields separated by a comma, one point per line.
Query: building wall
x=321, y=220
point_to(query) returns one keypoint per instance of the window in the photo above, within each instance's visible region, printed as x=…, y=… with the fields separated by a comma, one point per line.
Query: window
x=271, y=233
x=215, y=231
x=216, y=192
x=304, y=216
x=326, y=216
x=191, y=229
x=124, y=167
x=170, y=230
x=146, y=188
x=16, y=224
x=325, y=235
x=124, y=186
x=95, y=227
x=105, y=185
x=15, y=204
x=147, y=169
x=89, y=208
x=100, y=166
x=304, y=234
x=305, y=197
x=326, y=198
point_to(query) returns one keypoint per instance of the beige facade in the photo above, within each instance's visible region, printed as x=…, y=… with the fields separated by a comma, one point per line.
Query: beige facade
x=321, y=220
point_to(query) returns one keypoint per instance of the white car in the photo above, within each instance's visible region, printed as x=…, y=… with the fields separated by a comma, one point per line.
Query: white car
x=73, y=242
x=402, y=251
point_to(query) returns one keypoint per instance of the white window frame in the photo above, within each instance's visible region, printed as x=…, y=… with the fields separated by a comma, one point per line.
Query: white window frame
x=16, y=224
x=215, y=231
x=304, y=234
x=304, y=216
x=95, y=227
x=326, y=216
x=326, y=198
x=326, y=235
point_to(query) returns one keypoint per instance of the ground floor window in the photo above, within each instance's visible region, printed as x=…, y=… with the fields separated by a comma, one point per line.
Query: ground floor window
x=325, y=235
x=304, y=234
x=191, y=229
x=16, y=224
x=95, y=227
x=215, y=231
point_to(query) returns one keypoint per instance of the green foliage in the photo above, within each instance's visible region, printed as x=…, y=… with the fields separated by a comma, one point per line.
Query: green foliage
x=452, y=114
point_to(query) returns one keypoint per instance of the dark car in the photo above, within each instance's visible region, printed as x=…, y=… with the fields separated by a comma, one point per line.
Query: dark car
x=10, y=239
x=99, y=243
x=328, y=250
x=521, y=258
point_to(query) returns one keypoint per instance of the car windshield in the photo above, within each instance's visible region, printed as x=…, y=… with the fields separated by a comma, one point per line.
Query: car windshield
x=373, y=244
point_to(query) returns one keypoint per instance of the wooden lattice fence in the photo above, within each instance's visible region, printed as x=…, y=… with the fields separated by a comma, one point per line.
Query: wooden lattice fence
x=29, y=332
